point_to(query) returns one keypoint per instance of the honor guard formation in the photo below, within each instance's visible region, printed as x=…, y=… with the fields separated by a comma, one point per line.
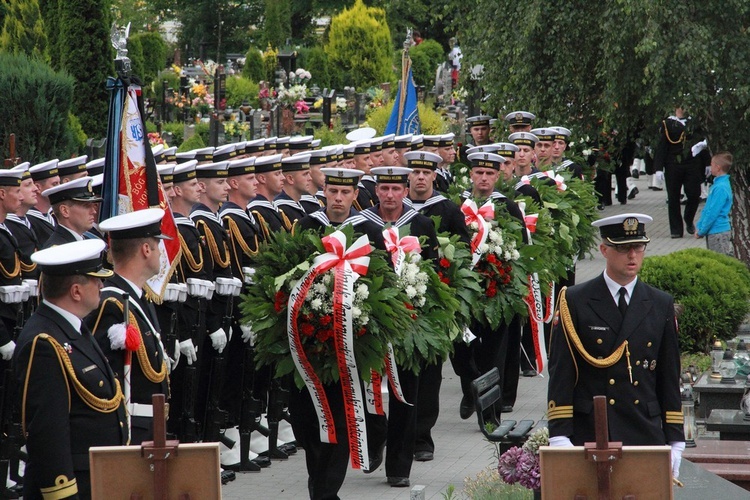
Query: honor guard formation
x=85, y=342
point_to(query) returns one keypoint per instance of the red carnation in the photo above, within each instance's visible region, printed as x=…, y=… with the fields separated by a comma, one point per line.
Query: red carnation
x=280, y=300
x=361, y=331
x=445, y=263
x=491, y=258
x=324, y=335
x=445, y=280
x=326, y=320
x=307, y=329
x=409, y=306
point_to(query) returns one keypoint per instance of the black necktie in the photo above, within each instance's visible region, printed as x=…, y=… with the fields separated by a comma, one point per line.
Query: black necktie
x=622, y=304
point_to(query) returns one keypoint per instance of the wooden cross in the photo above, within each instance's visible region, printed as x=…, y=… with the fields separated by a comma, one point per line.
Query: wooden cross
x=603, y=452
x=13, y=160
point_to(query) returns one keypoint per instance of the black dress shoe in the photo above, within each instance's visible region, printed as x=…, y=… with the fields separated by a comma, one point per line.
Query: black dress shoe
x=675, y=236
x=466, y=409
x=227, y=476
x=263, y=462
x=632, y=194
x=399, y=482
x=376, y=460
x=529, y=373
x=506, y=409
x=424, y=456
x=600, y=207
x=288, y=448
x=690, y=228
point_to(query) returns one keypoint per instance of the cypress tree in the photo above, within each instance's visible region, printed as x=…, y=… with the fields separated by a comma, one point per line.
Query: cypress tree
x=23, y=30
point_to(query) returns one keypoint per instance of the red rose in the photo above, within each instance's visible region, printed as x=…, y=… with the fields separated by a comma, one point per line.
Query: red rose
x=491, y=258
x=324, y=335
x=280, y=300
x=307, y=329
x=445, y=280
x=326, y=320
x=409, y=306
x=491, y=292
x=361, y=331
x=445, y=263
x=506, y=279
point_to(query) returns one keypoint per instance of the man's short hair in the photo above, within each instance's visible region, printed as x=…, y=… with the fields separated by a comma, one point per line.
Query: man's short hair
x=723, y=160
x=122, y=250
x=54, y=287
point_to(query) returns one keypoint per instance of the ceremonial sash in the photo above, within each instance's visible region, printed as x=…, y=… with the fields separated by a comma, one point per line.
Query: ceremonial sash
x=481, y=217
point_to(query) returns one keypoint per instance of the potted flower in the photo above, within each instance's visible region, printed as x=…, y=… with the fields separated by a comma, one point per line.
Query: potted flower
x=521, y=465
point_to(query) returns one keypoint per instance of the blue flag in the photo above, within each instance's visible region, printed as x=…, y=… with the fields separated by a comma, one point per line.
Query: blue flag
x=405, y=116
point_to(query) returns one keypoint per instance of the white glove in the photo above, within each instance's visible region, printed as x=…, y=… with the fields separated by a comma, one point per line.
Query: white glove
x=247, y=332
x=698, y=147
x=188, y=349
x=560, y=441
x=677, y=448
x=219, y=340
x=6, y=351
x=659, y=175
x=707, y=172
x=176, y=359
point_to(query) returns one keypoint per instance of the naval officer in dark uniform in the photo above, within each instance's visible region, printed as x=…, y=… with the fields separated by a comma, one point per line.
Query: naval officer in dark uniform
x=71, y=399
x=75, y=209
x=616, y=336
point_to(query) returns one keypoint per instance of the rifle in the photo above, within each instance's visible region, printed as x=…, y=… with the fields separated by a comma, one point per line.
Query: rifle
x=251, y=408
x=278, y=398
x=216, y=418
x=188, y=425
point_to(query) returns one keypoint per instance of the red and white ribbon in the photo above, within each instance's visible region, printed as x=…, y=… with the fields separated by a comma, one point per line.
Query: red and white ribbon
x=399, y=247
x=348, y=264
x=559, y=180
x=536, y=312
x=481, y=217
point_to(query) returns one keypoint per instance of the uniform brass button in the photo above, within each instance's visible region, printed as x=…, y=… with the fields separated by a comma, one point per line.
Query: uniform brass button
x=611, y=381
x=101, y=383
x=635, y=383
x=648, y=345
x=611, y=401
x=598, y=341
x=121, y=425
x=156, y=354
x=638, y=363
x=636, y=401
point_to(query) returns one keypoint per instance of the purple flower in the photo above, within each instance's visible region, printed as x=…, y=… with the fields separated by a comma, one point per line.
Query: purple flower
x=528, y=471
x=507, y=465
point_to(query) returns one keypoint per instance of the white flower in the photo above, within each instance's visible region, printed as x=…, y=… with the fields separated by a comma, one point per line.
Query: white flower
x=316, y=304
x=484, y=248
x=410, y=274
x=356, y=312
x=507, y=256
x=419, y=302
x=411, y=292
x=421, y=289
x=362, y=292
x=319, y=289
x=364, y=319
x=327, y=278
x=473, y=225
x=515, y=254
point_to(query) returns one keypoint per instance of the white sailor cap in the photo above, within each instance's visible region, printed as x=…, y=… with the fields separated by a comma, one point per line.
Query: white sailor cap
x=486, y=160
x=70, y=259
x=342, y=176
x=225, y=152
x=506, y=149
x=242, y=166
x=255, y=146
x=487, y=148
x=95, y=167
x=184, y=172
x=72, y=165
x=185, y=156
x=216, y=170
x=321, y=156
x=44, y=170
x=520, y=118
x=158, y=152
x=391, y=175
x=315, y=144
x=204, y=154
x=296, y=163
x=24, y=169
x=166, y=172
x=403, y=141
x=523, y=139
x=268, y=164
x=9, y=177
x=478, y=121
x=422, y=159
x=96, y=183
x=544, y=134
x=561, y=133
x=624, y=228
x=282, y=142
x=417, y=142
x=144, y=223
x=389, y=141
x=269, y=143
x=80, y=189
x=300, y=142
x=360, y=134
x=170, y=154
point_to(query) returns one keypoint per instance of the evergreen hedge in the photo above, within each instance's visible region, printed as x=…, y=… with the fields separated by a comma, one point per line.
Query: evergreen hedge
x=154, y=53
x=714, y=288
x=425, y=58
x=240, y=89
x=23, y=30
x=36, y=104
x=253, y=68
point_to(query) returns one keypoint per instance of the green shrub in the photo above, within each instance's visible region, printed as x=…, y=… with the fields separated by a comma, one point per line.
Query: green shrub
x=36, y=105
x=336, y=135
x=315, y=60
x=154, y=54
x=77, y=134
x=359, y=47
x=253, y=69
x=713, y=288
x=431, y=121
x=173, y=82
x=425, y=58
x=177, y=129
x=135, y=54
x=241, y=89
x=194, y=142
x=23, y=30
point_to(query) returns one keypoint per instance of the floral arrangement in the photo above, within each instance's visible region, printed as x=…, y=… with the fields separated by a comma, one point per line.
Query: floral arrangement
x=379, y=312
x=459, y=95
x=234, y=128
x=521, y=465
x=154, y=138
x=461, y=179
x=431, y=304
x=376, y=98
x=341, y=105
x=454, y=270
x=299, y=77
x=289, y=97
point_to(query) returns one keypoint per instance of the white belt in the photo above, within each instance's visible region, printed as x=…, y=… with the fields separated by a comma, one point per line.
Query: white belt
x=141, y=410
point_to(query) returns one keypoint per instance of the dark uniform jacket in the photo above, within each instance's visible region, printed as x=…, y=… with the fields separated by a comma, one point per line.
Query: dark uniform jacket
x=191, y=265
x=289, y=209
x=42, y=224
x=364, y=199
x=499, y=199
x=27, y=243
x=419, y=226
x=443, y=180
x=645, y=412
x=575, y=169
x=59, y=426
x=369, y=184
x=60, y=235
x=311, y=203
x=148, y=374
x=452, y=220
x=319, y=221
x=10, y=274
x=267, y=215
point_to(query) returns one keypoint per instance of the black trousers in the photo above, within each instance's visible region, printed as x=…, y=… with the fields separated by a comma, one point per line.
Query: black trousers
x=326, y=463
x=512, y=362
x=428, y=406
x=603, y=187
x=688, y=176
x=479, y=357
x=402, y=426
